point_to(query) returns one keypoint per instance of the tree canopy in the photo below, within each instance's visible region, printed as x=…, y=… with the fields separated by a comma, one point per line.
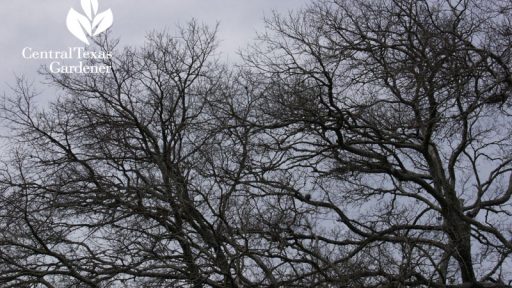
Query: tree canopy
x=359, y=144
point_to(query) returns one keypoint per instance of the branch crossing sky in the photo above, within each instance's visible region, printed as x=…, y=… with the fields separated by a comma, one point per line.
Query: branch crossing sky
x=42, y=25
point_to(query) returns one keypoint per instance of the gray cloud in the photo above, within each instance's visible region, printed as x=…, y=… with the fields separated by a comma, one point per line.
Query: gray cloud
x=42, y=24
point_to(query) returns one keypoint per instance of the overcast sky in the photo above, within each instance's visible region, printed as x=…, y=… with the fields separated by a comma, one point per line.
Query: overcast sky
x=41, y=24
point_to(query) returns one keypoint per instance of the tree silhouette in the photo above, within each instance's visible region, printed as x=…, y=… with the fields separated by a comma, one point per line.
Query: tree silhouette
x=360, y=144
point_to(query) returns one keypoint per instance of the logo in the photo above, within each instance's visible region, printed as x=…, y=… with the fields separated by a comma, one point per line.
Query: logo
x=81, y=60
x=91, y=24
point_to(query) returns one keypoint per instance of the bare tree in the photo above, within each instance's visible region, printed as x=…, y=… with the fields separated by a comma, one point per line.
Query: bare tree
x=362, y=144
x=392, y=121
x=112, y=185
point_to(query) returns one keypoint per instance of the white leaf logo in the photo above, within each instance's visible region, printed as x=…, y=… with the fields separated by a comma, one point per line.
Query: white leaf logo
x=90, y=7
x=102, y=22
x=90, y=24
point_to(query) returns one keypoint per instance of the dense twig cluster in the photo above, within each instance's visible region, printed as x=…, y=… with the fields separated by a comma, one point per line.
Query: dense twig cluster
x=361, y=144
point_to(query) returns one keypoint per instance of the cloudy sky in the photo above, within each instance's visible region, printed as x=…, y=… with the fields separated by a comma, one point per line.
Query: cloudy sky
x=41, y=25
